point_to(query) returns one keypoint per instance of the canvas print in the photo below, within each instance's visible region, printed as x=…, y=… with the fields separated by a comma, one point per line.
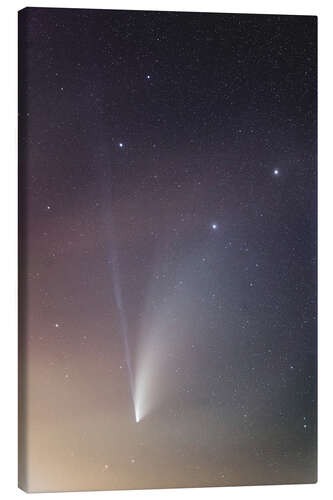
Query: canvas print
x=167, y=249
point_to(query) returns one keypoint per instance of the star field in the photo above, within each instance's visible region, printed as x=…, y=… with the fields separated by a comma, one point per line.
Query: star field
x=168, y=248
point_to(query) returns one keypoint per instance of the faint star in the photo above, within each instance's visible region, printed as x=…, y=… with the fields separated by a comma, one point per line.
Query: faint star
x=57, y=325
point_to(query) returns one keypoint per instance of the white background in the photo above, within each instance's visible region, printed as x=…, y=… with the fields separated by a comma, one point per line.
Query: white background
x=8, y=261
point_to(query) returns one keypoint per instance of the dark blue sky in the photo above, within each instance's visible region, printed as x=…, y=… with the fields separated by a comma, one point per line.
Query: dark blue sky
x=168, y=228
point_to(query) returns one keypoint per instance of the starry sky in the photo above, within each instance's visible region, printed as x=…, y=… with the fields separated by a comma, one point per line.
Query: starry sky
x=167, y=249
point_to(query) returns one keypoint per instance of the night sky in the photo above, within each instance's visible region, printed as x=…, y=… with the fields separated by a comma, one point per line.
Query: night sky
x=168, y=249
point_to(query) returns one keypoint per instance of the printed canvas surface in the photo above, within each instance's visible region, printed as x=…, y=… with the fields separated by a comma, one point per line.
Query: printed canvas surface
x=167, y=166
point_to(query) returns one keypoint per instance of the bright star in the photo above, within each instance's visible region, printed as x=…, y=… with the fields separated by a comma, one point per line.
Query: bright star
x=148, y=77
x=276, y=171
x=121, y=145
x=214, y=226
